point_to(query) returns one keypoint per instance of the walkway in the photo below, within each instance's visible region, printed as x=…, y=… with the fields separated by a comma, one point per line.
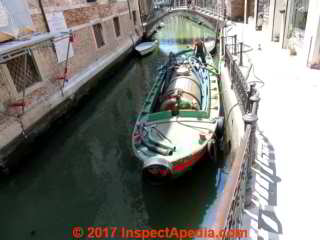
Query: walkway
x=286, y=191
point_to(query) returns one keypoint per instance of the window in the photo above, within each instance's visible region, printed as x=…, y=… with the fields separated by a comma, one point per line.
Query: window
x=298, y=20
x=116, y=25
x=97, y=29
x=134, y=17
x=21, y=79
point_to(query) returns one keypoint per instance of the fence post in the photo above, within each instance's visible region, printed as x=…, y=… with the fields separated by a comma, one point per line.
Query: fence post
x=251, y=92
x=251, y=118
x=255, y=99
x=232, y=75
x=241, y=56
x=224, y=53
x=235, y=45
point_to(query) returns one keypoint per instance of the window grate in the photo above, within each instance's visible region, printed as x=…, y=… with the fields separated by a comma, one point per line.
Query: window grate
x=21, y=79
x=97, y=29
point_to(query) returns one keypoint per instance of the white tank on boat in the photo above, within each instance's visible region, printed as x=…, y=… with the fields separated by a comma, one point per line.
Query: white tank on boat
x=182, y=92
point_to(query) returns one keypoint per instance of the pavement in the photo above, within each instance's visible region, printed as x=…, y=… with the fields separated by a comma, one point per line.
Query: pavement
x=286, y=188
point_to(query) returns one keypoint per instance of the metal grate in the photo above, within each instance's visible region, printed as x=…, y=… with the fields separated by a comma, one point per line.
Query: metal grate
x=97, y=28
x=21, y=79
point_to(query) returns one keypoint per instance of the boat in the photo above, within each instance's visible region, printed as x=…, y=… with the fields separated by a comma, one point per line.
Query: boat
x=146, y=47
x=180, y=119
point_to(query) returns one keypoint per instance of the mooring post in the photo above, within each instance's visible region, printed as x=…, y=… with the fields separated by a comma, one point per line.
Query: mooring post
x=251, y=118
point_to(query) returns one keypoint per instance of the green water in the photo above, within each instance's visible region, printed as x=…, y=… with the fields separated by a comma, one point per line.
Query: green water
x=85, y=174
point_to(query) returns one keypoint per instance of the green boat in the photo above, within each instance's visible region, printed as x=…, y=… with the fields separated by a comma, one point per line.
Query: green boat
x=180, y=118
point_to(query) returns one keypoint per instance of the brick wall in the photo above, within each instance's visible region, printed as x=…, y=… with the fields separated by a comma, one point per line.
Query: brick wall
x=79, y=16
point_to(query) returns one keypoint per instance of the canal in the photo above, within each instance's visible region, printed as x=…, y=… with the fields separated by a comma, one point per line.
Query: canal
x=83, y=172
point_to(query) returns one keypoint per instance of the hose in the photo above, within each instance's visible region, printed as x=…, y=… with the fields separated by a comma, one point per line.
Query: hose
x=159, y=144
x=165, y=152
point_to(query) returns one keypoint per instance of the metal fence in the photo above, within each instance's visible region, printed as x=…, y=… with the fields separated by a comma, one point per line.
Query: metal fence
x=238, y=191
x=238, y=80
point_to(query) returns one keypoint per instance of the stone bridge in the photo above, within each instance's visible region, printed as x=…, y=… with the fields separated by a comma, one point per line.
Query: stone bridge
x=213, y=21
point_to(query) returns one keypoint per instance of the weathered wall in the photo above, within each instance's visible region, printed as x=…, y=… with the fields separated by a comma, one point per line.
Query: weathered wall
x=234, y=9
x=43, y=98
x=80, y=17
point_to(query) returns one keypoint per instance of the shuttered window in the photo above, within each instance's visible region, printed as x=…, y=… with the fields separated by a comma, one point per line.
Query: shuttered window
x=116, y=25
x=97, y=29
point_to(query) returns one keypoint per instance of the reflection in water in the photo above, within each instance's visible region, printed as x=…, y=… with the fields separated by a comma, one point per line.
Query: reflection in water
x=177, y=35
x=84, y=172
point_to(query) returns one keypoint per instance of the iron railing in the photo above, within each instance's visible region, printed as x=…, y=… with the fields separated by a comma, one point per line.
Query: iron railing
x=238, y=192
x=238, y=82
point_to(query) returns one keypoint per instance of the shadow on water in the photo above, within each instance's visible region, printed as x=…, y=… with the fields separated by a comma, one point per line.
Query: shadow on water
x=83, y=172
x=183, y=202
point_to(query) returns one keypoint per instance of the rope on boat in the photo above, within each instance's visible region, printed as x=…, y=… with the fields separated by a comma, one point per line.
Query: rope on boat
x=161, y=134
x=153, y=144
x=159, y=144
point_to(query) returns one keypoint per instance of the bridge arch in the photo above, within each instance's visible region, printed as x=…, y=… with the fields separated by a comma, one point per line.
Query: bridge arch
x=212, y=22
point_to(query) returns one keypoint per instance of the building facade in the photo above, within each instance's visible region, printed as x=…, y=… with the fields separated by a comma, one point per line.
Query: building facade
x=99, y=27
x=294, y=24
x=102, y=30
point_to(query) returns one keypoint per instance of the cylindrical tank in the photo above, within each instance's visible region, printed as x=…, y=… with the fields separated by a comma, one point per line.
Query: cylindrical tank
x=183, y=91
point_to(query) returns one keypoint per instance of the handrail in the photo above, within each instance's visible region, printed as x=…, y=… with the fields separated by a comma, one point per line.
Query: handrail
x=238, y=191
x=238, y=80
x=234, y=191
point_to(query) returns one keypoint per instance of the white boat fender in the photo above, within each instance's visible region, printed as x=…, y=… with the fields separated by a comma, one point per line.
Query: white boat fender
x=212, y=150
x=159, y=163
x=220, y=127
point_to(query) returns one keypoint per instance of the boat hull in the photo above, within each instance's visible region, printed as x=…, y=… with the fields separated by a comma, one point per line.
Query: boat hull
x=164, y=174
x=146, y=48
x=170, y=141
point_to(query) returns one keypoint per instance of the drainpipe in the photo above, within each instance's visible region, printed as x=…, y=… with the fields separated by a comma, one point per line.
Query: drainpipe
x=44, y=15
x=245, y=11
